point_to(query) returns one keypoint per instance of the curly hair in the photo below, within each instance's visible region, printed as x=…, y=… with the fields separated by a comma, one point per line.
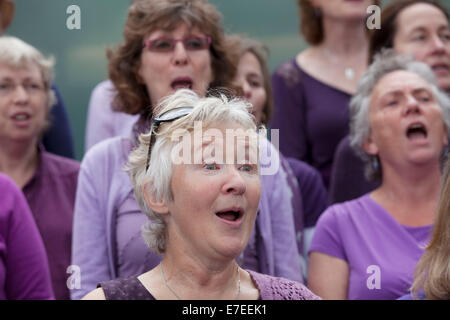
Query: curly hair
x=146, y=16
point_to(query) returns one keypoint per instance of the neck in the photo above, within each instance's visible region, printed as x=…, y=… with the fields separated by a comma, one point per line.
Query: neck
x=410, y=194
x=18, y=160
x=194, y=278
x=344, y=38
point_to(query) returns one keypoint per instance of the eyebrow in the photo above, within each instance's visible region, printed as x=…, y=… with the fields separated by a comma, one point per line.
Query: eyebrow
x=400, y=92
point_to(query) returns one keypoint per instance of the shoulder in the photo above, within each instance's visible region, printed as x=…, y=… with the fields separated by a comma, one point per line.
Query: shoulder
x=111, y=150
x=288, y=72
x=11, y=199
x=60, y=165
x=129, y=288
x=277, y=288
x=303, y=169
x=103, y=89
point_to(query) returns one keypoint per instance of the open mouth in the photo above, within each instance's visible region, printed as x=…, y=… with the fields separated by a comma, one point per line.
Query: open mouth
x=182, y=83
x=230, y=215
x=416, y=131
x=440, y=68
x=21, y=116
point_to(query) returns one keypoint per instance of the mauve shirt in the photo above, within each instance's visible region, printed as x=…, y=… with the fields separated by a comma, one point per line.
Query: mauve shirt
x=51, y=196
x=311, y=115
x=380, y=252
x=24, y=273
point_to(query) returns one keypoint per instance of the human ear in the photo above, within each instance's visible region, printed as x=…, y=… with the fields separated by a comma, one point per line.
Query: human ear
x=370, y=147
x=156, y=205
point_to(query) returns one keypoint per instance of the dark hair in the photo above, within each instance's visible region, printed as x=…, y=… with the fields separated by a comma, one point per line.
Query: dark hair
x=311, y=26
x=144, y=16
x=384, y=37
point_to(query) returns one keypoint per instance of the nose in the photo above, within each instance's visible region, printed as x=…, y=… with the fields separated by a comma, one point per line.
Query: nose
x=247, y=90
x=20, y=95
x=180, y=55
x=234, y=183
x=412, y=106
x=438, y=45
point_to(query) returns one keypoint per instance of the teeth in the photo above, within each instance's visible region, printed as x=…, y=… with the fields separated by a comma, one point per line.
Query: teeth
x=21, y=117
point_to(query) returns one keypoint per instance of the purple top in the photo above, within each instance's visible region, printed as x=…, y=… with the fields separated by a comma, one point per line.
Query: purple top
x=102, y=121
x=270, y=288
x=106, y=236
x=311, y=115
x=312, y=190
x=348, y=180
x=380, y=252
x=51, y=196
x=24, y=272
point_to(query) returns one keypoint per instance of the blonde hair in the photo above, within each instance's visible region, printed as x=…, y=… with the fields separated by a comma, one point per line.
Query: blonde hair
x=210, y=111
x=18, y=54
x=432, y=274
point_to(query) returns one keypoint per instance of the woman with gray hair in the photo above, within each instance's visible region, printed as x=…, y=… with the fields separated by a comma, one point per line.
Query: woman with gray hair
x=202, y=227
x=48, y=181
x=367, y=248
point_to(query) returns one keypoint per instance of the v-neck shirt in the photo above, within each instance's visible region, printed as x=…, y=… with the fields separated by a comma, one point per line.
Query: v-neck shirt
x=381, y=253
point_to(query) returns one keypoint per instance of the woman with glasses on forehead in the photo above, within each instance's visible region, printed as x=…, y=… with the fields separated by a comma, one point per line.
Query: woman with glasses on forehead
x=48, y=181
x=168, y=45
x=200, y=228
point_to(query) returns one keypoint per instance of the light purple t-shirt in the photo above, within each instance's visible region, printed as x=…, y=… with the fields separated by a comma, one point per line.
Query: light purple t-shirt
x=381, y=253
x=102, y=121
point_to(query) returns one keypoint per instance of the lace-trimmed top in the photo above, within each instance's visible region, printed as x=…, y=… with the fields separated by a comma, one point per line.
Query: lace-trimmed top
x=270, y=288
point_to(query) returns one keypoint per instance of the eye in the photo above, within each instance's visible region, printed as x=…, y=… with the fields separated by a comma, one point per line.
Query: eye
x=255, y=83
x=195, y=43
x=161, y=44
x=6, y=86
x=211, y=166
x=418, y=37
x=248, y=167
x=445, y=36
x=392, y=103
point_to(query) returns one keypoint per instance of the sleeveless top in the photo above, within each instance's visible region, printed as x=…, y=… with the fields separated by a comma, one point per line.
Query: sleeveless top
x=270, y=288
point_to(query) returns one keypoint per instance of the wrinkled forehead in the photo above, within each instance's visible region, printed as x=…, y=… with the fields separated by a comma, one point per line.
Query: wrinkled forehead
x=420, y=15
x=399, y=81
x=222, y=145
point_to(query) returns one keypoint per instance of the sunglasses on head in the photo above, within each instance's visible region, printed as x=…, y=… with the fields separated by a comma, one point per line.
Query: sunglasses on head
x=168, y=116
x=192, y=43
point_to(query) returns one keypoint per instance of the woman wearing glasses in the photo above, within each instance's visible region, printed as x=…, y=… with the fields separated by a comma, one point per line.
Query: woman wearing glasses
x=48, y=181
x=199, y=228
x=168, y=45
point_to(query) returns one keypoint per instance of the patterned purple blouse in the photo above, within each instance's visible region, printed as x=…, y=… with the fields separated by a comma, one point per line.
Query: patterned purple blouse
x=270, y=288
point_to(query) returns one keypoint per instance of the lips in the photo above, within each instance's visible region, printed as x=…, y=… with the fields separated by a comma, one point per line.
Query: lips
x=416, y=130
x=230, y=215
x=182, y=83
x=441, y=68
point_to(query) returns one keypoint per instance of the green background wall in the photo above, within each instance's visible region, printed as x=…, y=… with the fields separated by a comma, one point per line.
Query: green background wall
x=80, y=54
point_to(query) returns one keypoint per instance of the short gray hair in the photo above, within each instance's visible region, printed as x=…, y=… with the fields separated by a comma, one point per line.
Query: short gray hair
x=210, y=111
x=18, y=54
x=386, y=62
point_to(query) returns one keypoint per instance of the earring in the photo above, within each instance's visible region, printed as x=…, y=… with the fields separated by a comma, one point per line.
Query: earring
x=375, y=164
